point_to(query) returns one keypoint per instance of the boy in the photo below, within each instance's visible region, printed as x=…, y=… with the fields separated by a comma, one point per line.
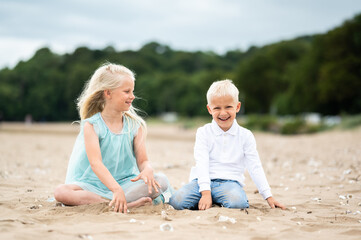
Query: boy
x=223, y=150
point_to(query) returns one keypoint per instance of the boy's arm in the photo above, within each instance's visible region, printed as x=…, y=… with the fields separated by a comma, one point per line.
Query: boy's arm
x=255, y=170
x=254, y=167
x=201, y=155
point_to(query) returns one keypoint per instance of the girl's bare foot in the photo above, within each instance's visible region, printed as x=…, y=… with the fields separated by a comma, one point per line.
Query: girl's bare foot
x=140, y=202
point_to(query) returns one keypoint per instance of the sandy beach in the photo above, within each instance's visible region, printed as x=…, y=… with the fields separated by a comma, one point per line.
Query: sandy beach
x=318, y=178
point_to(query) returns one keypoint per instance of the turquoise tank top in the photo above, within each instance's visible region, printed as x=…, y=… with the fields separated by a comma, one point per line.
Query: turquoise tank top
x=117, y=156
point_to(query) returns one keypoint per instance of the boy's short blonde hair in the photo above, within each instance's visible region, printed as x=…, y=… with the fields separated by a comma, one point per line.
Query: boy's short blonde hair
x=222, y=88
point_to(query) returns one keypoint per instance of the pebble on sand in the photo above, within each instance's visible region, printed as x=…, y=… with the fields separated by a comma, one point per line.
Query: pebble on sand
x=165, y=216
x=349, y=196
x=342, y=197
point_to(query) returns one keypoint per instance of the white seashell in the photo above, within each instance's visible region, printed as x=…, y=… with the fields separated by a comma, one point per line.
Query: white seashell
x=316, y=199
x=341, y=203
x=299, y=223
x=224, y=227
x=348, y=211
x=132, y=220
x=85, y=236
x=313, y=163
x=293, y=208
x=198, y=217
x=342, y=197
x=259, y=219
x=346, y=172
x=226, y=219
x=357, y=212
x=286, y=188
x=166, y=227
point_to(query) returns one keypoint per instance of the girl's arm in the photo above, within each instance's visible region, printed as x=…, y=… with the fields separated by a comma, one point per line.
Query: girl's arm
x=146, y=171
x=92, y=149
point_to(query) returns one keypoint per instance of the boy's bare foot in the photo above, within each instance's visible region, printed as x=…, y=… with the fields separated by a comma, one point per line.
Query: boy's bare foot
x=140, y=202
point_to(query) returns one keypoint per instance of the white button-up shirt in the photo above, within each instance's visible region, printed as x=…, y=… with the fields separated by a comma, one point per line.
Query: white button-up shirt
x=226, y=155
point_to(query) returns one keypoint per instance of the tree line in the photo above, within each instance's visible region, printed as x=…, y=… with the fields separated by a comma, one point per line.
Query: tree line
x=317, y=73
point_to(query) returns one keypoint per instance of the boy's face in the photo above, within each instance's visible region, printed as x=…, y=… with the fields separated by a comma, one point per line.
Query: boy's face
x=223, y=110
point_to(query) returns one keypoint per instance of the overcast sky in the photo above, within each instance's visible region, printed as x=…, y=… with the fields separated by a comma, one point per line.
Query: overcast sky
x=217, y=25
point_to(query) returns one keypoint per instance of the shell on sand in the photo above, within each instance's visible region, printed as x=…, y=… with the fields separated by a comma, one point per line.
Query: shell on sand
x=166, y=227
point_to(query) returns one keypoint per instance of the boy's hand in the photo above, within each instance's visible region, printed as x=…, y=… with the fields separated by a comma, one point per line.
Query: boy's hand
x=274, y=204
x=147, y=176
x=206, y=200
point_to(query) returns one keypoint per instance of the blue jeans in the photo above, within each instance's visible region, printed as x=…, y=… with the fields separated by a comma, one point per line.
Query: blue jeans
x=226, y=193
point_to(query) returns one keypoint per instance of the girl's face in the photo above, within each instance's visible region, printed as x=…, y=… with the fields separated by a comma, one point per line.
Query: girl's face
x=120, y=99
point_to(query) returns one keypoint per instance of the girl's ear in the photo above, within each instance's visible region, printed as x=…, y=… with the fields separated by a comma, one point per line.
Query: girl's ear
x=107, y=93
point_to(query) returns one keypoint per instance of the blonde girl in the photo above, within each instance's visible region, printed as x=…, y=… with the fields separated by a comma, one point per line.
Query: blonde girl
x=109, y=156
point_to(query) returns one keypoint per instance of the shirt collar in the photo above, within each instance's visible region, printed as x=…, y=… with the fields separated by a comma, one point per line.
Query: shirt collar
x=218, y=131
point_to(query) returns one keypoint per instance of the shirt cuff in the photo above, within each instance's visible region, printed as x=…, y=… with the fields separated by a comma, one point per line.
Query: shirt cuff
x=204, y=187
x=266, y=194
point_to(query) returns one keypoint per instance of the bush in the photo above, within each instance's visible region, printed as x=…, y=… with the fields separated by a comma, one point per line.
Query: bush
x=262, y=123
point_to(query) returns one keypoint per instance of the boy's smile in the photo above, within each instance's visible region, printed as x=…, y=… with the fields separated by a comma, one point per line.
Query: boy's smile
x=223, y=110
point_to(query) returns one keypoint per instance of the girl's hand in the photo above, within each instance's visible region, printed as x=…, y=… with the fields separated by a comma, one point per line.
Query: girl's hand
x=119, y=201
x=147, y=176
x=206, y=200
x=274, y=204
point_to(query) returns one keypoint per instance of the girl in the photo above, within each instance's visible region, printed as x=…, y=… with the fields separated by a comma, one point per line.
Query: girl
x=109, y=156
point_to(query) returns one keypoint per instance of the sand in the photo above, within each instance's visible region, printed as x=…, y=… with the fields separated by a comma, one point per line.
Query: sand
x=318, y=178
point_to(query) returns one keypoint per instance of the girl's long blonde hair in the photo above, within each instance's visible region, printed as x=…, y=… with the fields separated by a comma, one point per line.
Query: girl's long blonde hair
x=92, y=101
